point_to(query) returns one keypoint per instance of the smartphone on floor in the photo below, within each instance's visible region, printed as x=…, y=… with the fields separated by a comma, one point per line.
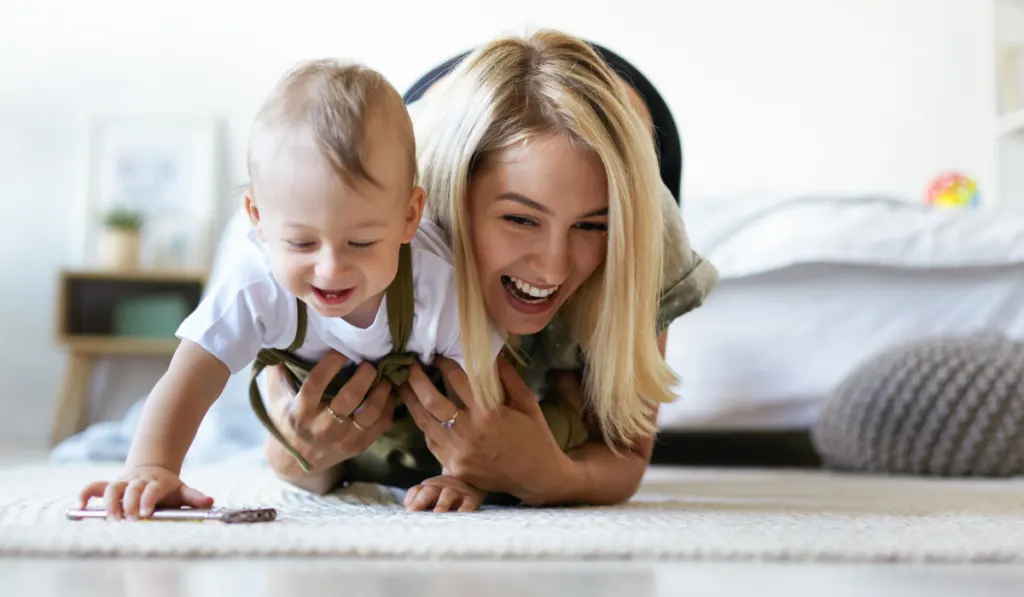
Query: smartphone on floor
x=226, y=515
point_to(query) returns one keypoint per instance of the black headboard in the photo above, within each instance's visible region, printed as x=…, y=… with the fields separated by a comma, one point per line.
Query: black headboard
x=666, y=134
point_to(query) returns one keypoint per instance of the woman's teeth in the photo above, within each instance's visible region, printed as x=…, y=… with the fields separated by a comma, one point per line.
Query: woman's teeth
x=531, y=291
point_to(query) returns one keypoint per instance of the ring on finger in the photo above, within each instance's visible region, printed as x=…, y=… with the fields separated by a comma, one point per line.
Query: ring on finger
x=356, y=423
x=448, y=424
x=337, y=417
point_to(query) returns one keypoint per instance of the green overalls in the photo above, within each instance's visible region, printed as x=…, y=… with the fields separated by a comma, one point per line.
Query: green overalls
x=399, y=457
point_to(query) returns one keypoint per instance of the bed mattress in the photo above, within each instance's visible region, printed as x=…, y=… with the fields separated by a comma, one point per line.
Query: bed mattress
x=765, y=350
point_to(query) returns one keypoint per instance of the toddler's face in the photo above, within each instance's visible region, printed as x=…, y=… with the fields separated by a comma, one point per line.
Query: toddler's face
x=333, y=245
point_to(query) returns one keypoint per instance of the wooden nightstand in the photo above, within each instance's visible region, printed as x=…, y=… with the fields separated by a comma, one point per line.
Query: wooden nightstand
x=101, y=313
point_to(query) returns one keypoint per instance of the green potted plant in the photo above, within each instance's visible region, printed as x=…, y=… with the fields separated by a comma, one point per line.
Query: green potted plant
x=119, y=242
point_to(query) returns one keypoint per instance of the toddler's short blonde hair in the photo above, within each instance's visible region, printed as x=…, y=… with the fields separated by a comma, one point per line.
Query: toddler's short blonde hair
x=331, y=103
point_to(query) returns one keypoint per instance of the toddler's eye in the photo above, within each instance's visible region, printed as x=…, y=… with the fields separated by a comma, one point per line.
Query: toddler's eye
x=365, y=245
x=298, y=244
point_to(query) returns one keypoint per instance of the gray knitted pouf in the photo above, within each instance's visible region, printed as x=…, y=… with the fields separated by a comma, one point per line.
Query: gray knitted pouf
x=947, y=407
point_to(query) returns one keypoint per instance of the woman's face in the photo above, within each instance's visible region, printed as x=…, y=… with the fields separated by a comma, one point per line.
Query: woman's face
x=539, y=218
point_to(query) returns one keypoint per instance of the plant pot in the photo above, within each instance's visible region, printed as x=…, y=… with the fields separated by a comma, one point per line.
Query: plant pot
x=119, y=249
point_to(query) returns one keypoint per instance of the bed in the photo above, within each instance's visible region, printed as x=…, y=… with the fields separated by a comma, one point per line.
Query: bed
x=811, y=287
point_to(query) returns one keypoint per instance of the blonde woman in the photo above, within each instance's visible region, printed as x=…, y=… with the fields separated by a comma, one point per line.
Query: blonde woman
x=543, y=182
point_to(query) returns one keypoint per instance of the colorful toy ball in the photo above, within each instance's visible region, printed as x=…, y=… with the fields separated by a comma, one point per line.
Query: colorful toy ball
x=952, y=189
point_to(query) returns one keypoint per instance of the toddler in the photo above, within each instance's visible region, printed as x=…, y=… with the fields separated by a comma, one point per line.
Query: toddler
x=334, y=258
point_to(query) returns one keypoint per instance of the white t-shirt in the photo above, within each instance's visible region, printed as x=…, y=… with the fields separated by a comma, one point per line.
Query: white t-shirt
x=247, y=309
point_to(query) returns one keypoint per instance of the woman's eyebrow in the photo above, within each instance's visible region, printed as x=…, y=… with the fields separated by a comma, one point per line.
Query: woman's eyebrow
x=603, y=211
x=525, y=201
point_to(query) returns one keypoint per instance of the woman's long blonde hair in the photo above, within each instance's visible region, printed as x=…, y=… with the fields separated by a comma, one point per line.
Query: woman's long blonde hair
x=504, y=94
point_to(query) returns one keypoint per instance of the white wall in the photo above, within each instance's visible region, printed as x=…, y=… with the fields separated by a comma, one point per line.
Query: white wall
x=838, y=96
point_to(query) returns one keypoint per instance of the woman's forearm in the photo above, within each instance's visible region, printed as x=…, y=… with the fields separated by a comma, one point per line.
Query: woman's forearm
x=287, y=468
x=593, y=474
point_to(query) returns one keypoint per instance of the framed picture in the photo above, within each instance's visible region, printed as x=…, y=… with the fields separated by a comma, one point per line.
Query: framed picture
x=164, y=169
x=1011, y=78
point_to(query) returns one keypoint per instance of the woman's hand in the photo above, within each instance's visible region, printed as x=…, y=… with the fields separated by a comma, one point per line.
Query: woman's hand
x=312, y=429
x=508, y=450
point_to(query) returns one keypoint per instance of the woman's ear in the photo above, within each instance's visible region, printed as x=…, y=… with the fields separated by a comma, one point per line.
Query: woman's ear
x=253, y=212
x=413, y=213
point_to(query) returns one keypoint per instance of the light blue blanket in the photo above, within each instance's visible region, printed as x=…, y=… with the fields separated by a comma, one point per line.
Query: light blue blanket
x=230, y=431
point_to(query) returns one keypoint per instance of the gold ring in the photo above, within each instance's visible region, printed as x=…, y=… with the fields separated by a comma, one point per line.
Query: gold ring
x=337, y=418
x=358, y=426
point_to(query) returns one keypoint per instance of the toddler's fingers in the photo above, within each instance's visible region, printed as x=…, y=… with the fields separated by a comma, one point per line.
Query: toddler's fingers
x=426, y=498
x=94, y=489
x=131, y=498
x=152, y=496
x=112, y=499
x=410, y=496
x=440, y=482
x=193, y=498
x=472, y=502
x=446, y=499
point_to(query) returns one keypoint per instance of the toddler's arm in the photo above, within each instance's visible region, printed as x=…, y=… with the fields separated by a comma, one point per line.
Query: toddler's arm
x=170, y=419
x=176, y=407
x=444, y=493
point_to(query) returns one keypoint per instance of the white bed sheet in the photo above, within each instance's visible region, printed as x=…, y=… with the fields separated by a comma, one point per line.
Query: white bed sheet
x=765, y=350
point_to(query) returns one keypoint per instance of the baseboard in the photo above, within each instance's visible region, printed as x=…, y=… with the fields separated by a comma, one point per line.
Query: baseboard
x=736, y=448
x=17, y=454
x=720, y=448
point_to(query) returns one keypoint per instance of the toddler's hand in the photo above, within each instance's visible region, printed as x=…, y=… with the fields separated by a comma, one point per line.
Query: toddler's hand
x=137, y=492
x=444, y=493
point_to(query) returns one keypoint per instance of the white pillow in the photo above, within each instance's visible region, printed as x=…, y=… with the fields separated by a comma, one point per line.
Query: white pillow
x=760, y=234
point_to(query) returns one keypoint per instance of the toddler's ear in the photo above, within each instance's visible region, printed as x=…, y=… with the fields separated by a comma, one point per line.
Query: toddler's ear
x=413, y=213
x=253, y=211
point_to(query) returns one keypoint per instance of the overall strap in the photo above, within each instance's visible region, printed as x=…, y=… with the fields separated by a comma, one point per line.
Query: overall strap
x=295, y=369
x=300, y=327
x=401, y=301
x=401, y=305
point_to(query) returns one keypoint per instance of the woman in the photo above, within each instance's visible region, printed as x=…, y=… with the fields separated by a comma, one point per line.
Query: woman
x=540, y=170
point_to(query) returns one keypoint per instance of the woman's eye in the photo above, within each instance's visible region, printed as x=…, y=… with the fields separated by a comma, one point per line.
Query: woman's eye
x=592, y=226
x=365, y=245
x=519, y=220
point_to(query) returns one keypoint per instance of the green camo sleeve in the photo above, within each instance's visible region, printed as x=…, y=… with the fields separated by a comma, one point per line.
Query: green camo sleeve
x=688, y=277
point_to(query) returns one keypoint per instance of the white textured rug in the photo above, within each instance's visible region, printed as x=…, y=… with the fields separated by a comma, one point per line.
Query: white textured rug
x=679, y=514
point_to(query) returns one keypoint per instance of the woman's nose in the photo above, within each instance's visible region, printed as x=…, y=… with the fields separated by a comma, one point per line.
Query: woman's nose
x=551, y=261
